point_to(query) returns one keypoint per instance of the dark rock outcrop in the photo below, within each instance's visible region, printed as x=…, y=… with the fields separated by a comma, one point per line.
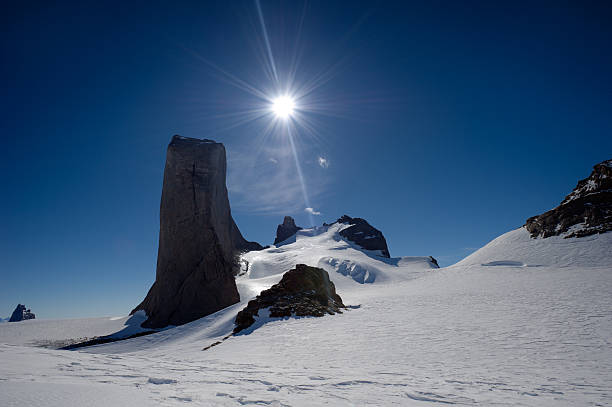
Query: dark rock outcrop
x=286, y=229
x=364, y=235
x=434, y=261
x=587, y=210
x=198, y=239
x=21, y=314
x=303, y=291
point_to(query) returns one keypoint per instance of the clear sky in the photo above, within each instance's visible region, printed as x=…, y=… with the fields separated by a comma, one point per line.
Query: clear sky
x=444, y=124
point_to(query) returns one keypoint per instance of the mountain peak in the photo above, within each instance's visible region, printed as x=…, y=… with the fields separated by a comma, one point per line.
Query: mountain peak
x=364, y=235
x=286, y=229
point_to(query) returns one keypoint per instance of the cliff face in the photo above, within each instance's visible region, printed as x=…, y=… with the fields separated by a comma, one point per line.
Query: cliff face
x=587, y=210
x=198, y=239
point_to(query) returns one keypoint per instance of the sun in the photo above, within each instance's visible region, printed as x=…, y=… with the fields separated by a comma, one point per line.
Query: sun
x=283, y=107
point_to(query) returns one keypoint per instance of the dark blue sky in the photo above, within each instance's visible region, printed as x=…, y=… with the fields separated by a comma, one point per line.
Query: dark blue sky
x=444, y=124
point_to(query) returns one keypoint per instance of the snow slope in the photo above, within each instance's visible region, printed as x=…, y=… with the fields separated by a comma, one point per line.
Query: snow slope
x=503, y=334
x=56, y=333
x=555, y=251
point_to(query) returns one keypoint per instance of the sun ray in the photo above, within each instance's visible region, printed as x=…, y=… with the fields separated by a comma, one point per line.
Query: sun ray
x=299, y=171
x=287, y=102
x=266, y=39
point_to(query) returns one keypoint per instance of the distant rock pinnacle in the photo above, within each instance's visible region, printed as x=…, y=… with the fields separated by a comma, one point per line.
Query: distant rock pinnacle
x=286, y=229
x=198, y=239
x=587, y=210
x=21, y=314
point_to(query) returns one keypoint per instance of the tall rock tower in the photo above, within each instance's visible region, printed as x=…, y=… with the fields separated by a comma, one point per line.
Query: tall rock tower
x=198, y=239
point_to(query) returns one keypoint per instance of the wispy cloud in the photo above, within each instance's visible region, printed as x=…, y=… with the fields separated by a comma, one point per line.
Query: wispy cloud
x=312, y=211
x=323, y=162
x=264, y=179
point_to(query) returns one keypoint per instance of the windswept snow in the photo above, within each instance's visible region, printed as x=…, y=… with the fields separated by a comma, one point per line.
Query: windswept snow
x=504, y=334
x=554, y=251
x=324, y=247
x=509, y=263
x=61, y=332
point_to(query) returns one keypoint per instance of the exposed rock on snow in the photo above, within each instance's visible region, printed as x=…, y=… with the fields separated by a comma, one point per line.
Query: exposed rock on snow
x=303, y=291
x=286, y=229
x=21, y=314
x=364, y=235
x=585, y=211
x=198, y=239
x=434, y=261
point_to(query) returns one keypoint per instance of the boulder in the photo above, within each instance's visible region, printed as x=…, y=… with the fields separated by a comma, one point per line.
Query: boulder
x=286, y=229
x=303, y=291
x=198, y=239
x=21, y=314
x=587, y=210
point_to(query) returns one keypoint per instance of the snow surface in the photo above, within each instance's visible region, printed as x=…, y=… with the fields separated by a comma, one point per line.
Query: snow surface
x=521, y=322
x=554, y=251
x=56, y=333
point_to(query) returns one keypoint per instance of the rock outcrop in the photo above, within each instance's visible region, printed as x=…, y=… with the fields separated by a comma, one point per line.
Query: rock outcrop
x=21, y=314
x=198, y=239
x=587, y=210
x=434, y=261
x=286, y=229
x=364, y=235
x=303, y=291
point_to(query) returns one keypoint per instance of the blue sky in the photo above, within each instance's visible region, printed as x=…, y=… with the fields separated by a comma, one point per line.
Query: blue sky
x=443, y=124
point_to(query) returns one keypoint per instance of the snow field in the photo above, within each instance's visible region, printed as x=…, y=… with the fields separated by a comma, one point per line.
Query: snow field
x=533, y=327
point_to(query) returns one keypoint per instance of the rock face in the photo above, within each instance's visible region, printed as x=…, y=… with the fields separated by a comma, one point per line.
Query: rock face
x=364, y=235
x=21, y=314
x=286, y=229
x=303, y=291
x=198, y=239
x=587, y=210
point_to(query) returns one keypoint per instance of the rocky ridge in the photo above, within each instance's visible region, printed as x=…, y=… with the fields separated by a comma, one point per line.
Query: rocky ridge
x=364, y=235
x=587, y=210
